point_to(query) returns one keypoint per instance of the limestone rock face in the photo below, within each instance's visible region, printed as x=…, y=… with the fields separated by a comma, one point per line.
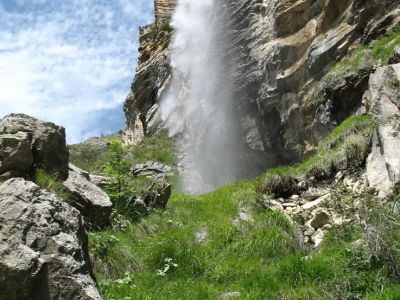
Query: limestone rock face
x=27, y=143
x=164, y=9
x=92, y=202
x=288, y=46
x=279, y=51
x=152, y=76
x=383, y=165
x=43, y=246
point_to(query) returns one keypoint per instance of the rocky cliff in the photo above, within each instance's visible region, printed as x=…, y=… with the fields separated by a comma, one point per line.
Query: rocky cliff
x=152, y=74
x=163, y=9
x=286, y=48
x=282, y=55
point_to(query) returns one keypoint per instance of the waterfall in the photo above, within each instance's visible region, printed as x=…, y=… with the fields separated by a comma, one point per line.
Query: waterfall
x=199, y=104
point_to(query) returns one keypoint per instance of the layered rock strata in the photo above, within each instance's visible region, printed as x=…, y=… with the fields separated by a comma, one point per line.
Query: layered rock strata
x=163, y=9
x=279, y=52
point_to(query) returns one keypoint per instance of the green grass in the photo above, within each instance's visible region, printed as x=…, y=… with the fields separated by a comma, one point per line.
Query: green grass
x=158, y=257
x=92, y=157
x=52, y=184
x=260, y=259
x=359, y=57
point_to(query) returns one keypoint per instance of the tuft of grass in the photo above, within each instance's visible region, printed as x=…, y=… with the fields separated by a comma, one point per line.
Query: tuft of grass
x=111, y=259
x=52, y=184
x=160, y=31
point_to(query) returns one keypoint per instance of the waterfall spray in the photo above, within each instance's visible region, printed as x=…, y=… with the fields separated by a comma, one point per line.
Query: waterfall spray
x=199, y=102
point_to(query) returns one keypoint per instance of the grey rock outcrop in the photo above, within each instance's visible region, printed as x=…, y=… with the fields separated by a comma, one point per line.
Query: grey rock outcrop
x=151, y=168
x=383, y=96
x=43, y=246
x=100, y=181
x=163, y=9
x=27, y=143
x=151, y=79
x=93, y=203
x=158, y=194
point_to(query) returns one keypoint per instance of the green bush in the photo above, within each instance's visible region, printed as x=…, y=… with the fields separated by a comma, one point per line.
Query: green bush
x=117, y=169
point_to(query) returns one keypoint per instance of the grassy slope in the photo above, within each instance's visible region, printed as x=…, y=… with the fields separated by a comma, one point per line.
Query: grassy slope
x=261, y=259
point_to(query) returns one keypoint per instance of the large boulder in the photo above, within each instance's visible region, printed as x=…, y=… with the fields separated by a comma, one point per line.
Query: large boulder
x=27, y=143
x=43, y=246
x=383, y=164
x=93, y=203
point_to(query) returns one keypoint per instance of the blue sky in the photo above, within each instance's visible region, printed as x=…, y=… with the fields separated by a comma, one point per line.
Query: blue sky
x=70, y=62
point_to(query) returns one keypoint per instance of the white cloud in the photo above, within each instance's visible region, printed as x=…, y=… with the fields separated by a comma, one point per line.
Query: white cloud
x=70, y=62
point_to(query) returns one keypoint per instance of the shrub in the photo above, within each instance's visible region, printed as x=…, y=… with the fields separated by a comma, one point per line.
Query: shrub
x=117, y=169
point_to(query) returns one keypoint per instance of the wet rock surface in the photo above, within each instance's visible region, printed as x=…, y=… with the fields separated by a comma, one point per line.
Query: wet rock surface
x=395, y=56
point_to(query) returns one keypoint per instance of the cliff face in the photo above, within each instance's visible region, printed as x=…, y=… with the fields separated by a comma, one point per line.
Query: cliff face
x=163, y=9
x=152, y=74
x=282, y=52
x=286, y=49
